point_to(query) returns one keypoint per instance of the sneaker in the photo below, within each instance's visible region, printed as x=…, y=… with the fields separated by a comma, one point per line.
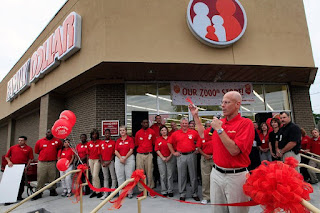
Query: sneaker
x=152, y=195
x=99, y=195
x=63, y=194
x=53, y=192
x=130, y=196
x=165, y=194
x=204, y=202
x=140, y=195
x=170, y=194
x=19, y=198
x=93, y=195
x=105, y=195
x=196, y=198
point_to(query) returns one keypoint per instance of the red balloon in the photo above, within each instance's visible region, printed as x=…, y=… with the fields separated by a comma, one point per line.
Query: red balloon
x=69, y=116
x=61, y=129
x=63, y=164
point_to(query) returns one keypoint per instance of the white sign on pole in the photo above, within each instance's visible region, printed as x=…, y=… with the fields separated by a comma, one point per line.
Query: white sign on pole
x=10, y=182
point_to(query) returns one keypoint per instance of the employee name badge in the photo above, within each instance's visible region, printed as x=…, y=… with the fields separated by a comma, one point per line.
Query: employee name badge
x=254, y=143
x=190, y=137
x=63, y=153
x=203, y=141
x=120, y=143
x=91, y=145
x=45, y=145
x=126, y=142
x=97, y=145
x=102, y=147
x=263, y=141
x=280, y=138
x=149, y=137
x=141, y=138
x=81, y=146
x=56, y=142
x=109, y=146
x=53, y=144
x=160, y=143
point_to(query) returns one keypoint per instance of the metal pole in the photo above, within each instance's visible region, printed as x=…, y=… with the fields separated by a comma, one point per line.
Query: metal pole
x=311, y=158
x=309, y=167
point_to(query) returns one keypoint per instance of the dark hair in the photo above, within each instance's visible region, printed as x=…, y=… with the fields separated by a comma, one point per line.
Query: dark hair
x=264, y=123
x=161, y=127
x=276, y=120
x=107, y=130
x=192, y=121
x=284, y=112
x=94, y=131
x=84, y=135
x=24, y=137
x=157, y=116
x=64, y=140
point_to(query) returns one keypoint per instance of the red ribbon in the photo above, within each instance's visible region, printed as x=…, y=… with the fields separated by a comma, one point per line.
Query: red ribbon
x=138, y=175
x=76, y=183
x=188, y=99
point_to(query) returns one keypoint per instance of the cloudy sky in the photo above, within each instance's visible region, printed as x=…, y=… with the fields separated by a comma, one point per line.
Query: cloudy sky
x=23, y=20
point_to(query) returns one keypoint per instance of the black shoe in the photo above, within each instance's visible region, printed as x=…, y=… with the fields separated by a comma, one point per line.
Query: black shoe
x=170, y=194
x=37, y=197
x=182, y=198
x=53, y=192
x=166, y=194
x=99, y=195
x=7, y=204
x=93, y=195
x=196, y=198
x=19, y=198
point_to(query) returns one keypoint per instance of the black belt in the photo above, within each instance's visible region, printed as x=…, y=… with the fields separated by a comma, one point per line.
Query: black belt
x=186, y=153
x=233, y=171
x=147, y=153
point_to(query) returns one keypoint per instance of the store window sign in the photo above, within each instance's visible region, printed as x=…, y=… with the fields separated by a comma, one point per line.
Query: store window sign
x=217, y=23
x=203, y=93
x=113, y=125
x=64, y=42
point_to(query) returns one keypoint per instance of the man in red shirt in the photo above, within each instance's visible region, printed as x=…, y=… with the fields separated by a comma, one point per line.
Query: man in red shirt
x=173, y=128
x=47, y=148
x=20, y=153
x=184, y=151
x=314, y=147
x=156, y=126
x=144, y=141
x=233, y=138
x=107, y=148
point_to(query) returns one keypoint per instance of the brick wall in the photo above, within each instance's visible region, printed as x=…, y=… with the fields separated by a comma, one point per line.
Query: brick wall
x=3, y=141
x=110, y=103
x=301, y=108
x=83, y=105
x=56, y=106
x=28, y=126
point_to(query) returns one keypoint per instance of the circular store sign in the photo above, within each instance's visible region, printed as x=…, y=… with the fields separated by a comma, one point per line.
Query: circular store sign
x=217, y=23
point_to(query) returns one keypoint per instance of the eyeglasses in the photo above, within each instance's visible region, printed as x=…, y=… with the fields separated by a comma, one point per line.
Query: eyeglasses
x=225, y=102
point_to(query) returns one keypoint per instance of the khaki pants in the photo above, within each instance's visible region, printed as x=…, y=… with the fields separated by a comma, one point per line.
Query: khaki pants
x=95, y=169
x=206, y=167
x=145, y=162
x=46, y=173
x=292, y=154
x=227, y=188
x=312, y=174
x=186, y=163
x=105, y=171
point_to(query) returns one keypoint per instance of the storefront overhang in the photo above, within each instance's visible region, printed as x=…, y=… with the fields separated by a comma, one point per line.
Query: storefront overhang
x=117, y=72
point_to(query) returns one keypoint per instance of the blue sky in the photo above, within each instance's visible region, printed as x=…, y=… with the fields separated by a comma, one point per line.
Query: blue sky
x=23, y=20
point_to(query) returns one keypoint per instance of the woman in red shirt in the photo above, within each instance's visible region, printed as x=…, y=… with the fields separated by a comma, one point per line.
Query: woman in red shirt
x=66, y=152
x=165, y=162
x=124, y=161
x=305, y=139
x=264, y=137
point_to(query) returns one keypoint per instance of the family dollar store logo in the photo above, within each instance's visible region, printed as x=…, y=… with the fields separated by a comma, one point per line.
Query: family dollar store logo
x=217, y=23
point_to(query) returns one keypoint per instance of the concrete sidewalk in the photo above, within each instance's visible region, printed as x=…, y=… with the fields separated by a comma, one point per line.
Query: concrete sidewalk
x=155, y=205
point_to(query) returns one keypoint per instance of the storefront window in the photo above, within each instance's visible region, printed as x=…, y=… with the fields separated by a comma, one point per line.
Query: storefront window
x=277, y=97
x=258, y=104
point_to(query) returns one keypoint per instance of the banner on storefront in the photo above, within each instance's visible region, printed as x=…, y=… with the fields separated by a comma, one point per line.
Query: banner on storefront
x=203, y=93
x=113, y=125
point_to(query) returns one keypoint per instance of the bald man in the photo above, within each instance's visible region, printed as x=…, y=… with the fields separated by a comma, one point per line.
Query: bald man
x=232, y=142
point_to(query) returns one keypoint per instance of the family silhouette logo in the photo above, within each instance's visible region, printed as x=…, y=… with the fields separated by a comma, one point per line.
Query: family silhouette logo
x=217, y=23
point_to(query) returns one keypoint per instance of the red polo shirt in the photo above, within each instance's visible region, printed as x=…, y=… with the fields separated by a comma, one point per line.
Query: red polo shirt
x=145, y=140
x=171, y=132
x=82, y=150
x=20, y=155
x=185, y=141
x=47, y=149
x=205, y=144
x=264, y=140
x=314, y=146
x=305, y=142
x=93, y=148
x=241, y=131
x=124, y=146
x=107, y=148
x=162, y=146
x=66, y=153
x=156, y=129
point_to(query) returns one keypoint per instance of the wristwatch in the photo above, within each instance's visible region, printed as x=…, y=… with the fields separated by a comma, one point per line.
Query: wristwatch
x=219, y=131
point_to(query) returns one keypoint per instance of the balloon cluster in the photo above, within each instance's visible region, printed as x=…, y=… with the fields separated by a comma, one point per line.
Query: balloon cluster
x=63, y=126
